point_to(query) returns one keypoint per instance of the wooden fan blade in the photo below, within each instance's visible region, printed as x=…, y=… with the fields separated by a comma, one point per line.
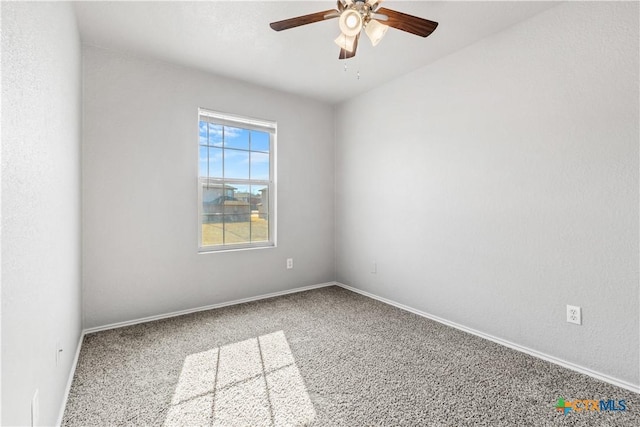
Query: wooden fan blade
x=345, y=54
x=340, y=5
x=409, y=23
x=304, y=20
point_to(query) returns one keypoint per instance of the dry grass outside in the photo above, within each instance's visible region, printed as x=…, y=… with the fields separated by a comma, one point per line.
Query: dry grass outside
x=235, y=232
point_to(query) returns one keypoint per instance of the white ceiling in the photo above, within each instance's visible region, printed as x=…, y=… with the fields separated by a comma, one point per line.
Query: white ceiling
x=233, y=38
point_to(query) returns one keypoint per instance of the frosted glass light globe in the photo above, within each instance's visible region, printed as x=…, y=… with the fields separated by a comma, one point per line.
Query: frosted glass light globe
x=350, y=22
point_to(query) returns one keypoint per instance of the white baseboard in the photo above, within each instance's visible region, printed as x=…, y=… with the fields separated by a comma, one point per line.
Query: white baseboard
x=597, y=375
x=72, y=372
x=204, y=308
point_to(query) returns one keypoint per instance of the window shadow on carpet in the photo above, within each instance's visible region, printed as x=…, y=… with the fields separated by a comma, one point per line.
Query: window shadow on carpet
x=252, y=382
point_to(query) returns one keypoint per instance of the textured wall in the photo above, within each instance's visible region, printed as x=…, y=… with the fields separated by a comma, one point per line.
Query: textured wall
x=140, y=195
x=41, y=302
x=500, y=183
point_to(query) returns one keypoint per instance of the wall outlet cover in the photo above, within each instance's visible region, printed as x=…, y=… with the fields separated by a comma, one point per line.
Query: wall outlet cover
x=574, y=314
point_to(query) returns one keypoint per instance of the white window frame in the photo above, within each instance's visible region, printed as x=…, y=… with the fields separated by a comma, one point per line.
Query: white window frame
x=249, y=124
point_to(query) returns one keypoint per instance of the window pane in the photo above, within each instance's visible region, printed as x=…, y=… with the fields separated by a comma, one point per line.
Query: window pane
x=212, y=198
x=236, y=164
x=260, y=200
x=236, y=228
x=203, y=161
x=212, y=230
x=212, y=233
x=236, y=138
x=259, y=166
x=259, y=213
x=259, y=228
x=215, y=162
x=215, y=135
x=202, y=133
x=241, y=197
x=236, y=203
x=260, y=141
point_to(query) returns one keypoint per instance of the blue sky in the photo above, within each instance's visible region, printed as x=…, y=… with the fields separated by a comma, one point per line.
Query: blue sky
x=239, y=162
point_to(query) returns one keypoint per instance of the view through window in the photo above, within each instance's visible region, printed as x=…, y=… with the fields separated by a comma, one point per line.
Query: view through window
x=235, y=181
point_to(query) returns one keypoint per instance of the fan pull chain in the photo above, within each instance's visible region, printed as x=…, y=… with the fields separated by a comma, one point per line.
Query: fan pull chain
x=357, y=72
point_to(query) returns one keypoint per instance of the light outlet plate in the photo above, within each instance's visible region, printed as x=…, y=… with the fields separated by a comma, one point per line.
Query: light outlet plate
x=574, y=314
x=289, y=263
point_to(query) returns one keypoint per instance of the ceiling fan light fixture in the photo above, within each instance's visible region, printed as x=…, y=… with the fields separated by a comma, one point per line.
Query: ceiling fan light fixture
x=375, y=31
x=345, y=42
x=357, y=15
x=350, y=22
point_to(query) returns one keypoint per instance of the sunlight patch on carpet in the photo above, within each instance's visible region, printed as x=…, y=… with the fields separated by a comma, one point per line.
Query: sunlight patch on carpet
x=252, y=382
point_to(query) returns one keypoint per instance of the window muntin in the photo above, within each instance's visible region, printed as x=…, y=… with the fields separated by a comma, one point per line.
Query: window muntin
x=236, y=187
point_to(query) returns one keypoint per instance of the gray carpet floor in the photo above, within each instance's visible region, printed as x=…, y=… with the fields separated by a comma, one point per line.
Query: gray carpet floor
x=326, y=357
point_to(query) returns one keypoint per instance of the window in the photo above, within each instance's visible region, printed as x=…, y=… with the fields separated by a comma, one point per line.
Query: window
x=236, y=188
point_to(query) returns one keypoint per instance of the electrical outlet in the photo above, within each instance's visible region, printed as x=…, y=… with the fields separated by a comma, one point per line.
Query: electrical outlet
x=289, y=263
x=374, y=268
x=574, y=314
x=35, y=409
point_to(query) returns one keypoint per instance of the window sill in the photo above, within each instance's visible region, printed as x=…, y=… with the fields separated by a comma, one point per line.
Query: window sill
x=209, y=250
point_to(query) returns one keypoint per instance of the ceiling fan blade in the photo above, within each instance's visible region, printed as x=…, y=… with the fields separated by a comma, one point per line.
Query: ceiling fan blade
x=304, y=20
x=345, y=54
x=409, y=23
x=340, y=5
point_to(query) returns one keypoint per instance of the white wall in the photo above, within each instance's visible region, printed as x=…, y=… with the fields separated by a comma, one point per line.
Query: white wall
x=500, y=183
x=41, y=302
x=140, y=195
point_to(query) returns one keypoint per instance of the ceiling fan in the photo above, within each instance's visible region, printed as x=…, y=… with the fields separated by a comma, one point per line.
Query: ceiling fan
x=356, y=15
